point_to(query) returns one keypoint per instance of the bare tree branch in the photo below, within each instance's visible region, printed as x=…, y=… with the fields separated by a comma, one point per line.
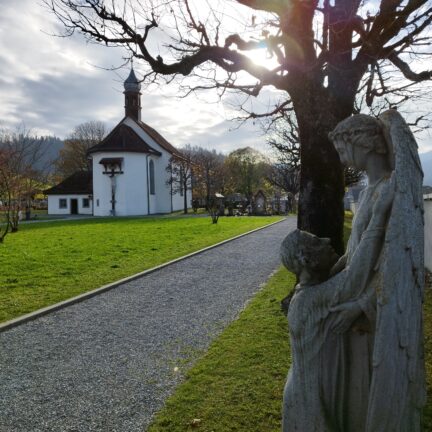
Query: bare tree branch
x=406, y=70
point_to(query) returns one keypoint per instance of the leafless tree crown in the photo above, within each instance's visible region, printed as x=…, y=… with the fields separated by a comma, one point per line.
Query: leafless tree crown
x=334, y=43
x=73, y=156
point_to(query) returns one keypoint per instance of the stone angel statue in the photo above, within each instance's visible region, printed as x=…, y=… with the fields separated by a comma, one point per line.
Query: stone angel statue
x=357, y=339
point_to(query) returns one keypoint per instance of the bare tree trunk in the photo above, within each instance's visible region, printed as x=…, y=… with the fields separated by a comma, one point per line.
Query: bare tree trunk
x=320, y=208
x=208, y=196
x=321, y=190
x=185, y=203
x=5, y=231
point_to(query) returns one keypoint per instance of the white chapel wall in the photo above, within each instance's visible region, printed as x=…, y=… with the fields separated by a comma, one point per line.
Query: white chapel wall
x=135, y=184
x=131, y=186
x=160, y=202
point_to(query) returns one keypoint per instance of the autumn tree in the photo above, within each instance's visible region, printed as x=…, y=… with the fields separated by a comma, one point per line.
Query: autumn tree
x=247, y=171
x=73, y=156
x=23, y=173
x=209, y=174
x=5, y=193
x=180, y=169
x=330, y=59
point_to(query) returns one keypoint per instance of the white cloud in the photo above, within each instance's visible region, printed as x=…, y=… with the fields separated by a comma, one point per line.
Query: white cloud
x=52, y=84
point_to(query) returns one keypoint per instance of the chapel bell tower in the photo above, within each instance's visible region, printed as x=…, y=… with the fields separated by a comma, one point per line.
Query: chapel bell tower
x=132, y=96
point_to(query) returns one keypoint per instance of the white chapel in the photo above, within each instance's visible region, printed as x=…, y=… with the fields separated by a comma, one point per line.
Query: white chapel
x=128, y=175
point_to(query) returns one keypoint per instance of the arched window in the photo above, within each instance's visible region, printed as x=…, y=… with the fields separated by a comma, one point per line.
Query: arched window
x=152, y=178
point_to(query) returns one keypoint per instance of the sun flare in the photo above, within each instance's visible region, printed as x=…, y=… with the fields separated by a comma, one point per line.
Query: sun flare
x=262, y=57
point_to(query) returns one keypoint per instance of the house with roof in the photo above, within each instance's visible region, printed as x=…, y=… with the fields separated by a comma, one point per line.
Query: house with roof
x=72, y=196
x=129, y=175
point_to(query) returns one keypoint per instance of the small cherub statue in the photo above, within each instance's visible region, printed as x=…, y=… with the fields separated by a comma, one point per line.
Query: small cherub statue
x=311, y=258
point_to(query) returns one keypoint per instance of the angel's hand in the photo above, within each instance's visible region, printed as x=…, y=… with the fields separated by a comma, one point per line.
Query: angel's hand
x=339, y=266
x=346, y=314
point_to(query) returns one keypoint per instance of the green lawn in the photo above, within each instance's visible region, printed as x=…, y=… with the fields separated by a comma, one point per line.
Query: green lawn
x=44, y=263
x=35, y=215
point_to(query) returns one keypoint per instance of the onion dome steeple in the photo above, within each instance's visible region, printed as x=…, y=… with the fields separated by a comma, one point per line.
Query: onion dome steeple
x=132, y=96
x=132, y=83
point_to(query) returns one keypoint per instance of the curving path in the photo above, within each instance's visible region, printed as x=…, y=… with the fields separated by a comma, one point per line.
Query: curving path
x=108, y=363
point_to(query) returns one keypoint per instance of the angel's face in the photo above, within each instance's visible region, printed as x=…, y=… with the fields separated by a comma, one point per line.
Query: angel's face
x=351, y=155
x=345, y=151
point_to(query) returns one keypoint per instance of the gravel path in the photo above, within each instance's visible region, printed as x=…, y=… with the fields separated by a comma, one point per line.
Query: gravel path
x=108, y=363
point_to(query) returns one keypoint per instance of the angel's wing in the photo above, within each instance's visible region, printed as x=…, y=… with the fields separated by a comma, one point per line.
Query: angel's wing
x=398, y=384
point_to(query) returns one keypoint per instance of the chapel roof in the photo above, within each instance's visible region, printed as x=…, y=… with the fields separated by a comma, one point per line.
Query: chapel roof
x=123, y=139
x=79, y=183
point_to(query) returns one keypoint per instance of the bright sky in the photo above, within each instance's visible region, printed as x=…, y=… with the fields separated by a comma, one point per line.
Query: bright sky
x=52, y=84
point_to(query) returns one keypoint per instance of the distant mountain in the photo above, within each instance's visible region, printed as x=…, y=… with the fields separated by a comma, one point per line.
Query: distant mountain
x=426, y=160
x=51, y=147
x=41, y=152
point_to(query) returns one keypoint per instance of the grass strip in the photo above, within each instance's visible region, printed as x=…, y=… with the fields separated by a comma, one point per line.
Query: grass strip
x=238, y=384
x=427, y=319
x=48, y=262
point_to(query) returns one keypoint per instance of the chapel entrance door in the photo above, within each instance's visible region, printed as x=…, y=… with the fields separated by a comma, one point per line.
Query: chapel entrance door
x=74, y=206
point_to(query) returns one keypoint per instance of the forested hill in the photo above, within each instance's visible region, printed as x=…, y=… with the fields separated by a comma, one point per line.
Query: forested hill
x=50, y=147
x=40, y=151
